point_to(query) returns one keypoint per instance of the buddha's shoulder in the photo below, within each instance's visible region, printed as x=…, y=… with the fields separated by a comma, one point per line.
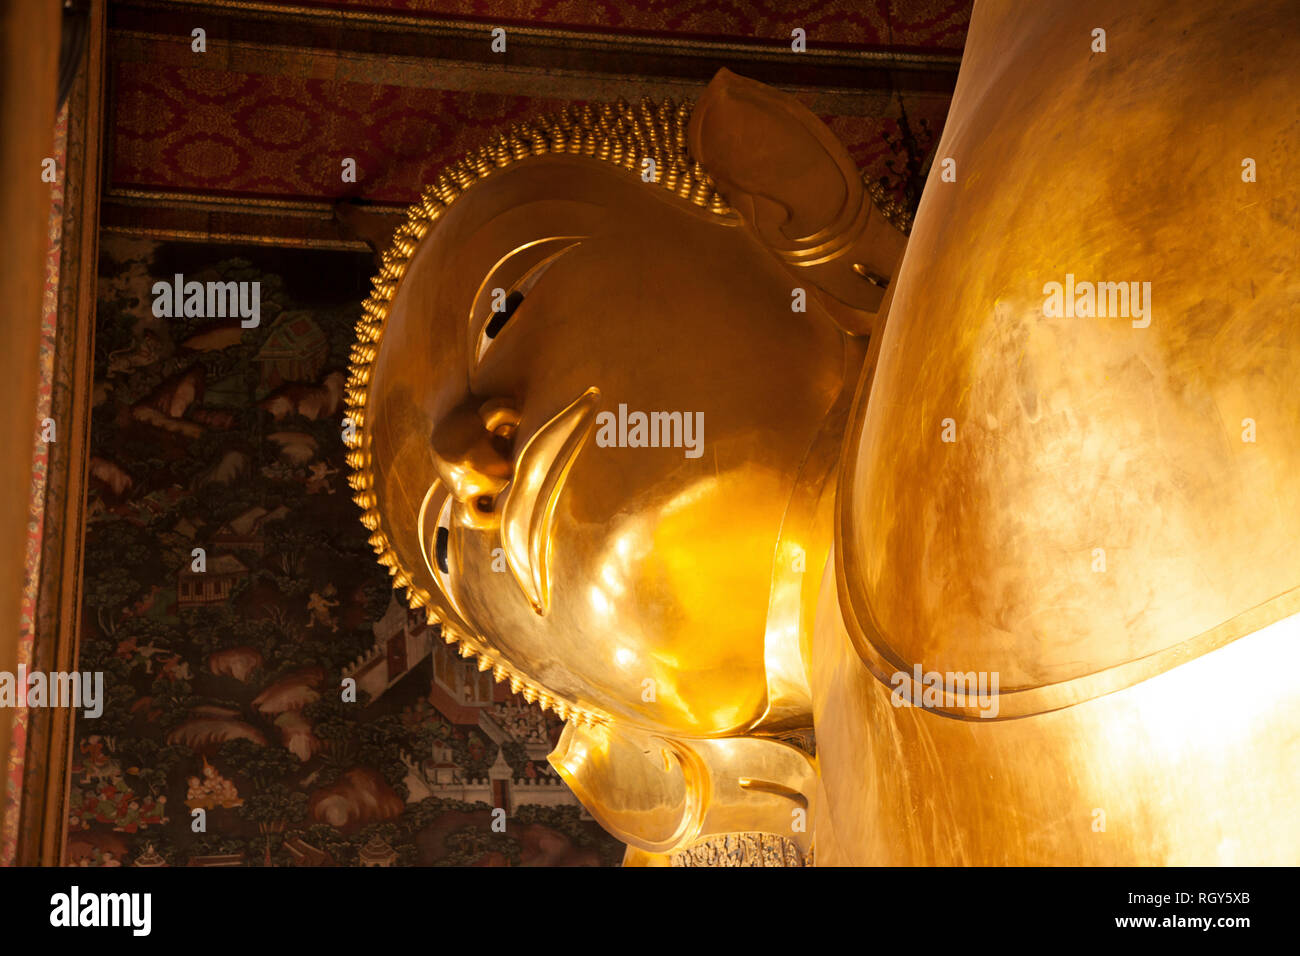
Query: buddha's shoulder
x=1075, y=462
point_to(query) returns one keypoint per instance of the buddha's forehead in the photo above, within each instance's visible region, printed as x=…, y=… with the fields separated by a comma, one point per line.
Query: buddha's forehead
x=621, y=223
x=553, y=196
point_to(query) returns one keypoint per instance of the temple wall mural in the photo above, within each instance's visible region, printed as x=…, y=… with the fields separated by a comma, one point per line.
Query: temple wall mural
x=224, y=671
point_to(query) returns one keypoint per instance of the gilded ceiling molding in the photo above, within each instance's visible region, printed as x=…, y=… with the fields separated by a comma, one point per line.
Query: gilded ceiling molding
x=571, y=37
x=470, y=76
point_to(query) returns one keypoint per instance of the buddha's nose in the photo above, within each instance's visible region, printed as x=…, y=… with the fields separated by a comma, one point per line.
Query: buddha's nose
x=472, y=454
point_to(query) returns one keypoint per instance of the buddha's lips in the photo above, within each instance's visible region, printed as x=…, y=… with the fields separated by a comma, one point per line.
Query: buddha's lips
x=529, y=509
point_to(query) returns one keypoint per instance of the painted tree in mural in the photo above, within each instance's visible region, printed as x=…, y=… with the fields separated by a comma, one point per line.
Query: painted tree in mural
x=125, y=557
x=270, y=804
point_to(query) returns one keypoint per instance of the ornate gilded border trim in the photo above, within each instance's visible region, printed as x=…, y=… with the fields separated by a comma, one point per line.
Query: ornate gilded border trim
x=573, y=37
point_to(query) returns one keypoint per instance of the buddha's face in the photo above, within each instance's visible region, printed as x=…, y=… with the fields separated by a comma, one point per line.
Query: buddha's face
x=591, y=410
x=632, y=577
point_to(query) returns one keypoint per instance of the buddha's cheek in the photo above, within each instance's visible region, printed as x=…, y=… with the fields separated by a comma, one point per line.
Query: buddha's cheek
x=672, y=596
x=657, y=608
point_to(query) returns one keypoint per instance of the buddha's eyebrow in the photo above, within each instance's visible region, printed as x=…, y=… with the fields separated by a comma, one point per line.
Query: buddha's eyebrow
x=562, y=244
x=515, y=281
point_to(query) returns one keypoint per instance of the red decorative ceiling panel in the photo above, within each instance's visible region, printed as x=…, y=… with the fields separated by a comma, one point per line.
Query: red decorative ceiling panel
x=203, y=130
x=209, y=131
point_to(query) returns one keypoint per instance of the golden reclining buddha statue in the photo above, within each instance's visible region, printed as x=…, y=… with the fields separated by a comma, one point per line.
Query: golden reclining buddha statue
x=973, y=547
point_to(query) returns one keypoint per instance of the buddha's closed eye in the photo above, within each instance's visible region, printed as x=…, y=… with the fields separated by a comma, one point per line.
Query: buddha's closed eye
x=435, y=542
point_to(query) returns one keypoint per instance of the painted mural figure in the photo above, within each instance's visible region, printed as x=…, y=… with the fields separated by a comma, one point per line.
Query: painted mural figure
x=320, y=607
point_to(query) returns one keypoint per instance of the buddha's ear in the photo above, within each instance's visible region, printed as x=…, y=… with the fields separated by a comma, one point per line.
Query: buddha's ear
x=797, y=188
